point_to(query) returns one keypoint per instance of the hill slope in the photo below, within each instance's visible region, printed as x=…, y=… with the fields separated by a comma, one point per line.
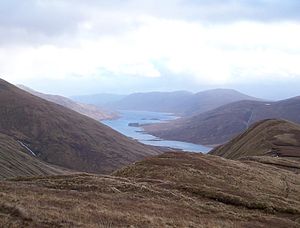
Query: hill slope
x=269, y=137
x=63, y=137
x=15, y=161
x=180, y=102
x=84, y=109
x=222, y=124
x=171, y=190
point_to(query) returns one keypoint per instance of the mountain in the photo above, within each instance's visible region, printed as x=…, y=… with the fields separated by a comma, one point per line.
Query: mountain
x=182, y=103
x=60, y=136
x=170, y=190
x=211, y=99
x=224, y=123
x=84, y=109
x=15, y=161
x=98, y=99
x=271, y=137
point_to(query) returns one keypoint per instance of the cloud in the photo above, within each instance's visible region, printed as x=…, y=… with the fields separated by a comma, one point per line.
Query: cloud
x=44, y=21
x=208, y=42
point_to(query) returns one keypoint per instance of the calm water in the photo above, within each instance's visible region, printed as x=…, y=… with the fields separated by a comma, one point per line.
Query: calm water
x=143, y=117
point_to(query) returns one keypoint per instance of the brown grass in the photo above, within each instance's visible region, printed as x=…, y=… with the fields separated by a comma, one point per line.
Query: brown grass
x=171, y=190
x=277, y=138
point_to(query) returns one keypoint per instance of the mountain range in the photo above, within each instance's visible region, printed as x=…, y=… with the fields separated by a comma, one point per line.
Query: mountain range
x=223, y=123
x=181, y=103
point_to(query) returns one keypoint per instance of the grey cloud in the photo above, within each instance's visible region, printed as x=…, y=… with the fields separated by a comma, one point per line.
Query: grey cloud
x=38, y=21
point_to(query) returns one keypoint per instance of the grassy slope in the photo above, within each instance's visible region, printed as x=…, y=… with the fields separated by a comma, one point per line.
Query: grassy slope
x=63, y=137
x=14, y=161
x=269, y=137
x=171, y=190
x=224, y=123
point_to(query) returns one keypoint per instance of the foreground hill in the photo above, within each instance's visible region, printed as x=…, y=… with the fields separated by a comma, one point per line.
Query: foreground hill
x=63, y=137
x=84, y=109
x=277, y=138
x=16, y=161
x=224, y=123
x=171, y=190
x=179, y=102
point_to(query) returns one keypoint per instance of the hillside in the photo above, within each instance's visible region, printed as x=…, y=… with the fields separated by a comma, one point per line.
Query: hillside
x=170, y=190
x=277, y=138
x=224, y=123
x=182, y=103
x=60, y=136
x=15, y=161
x=84, y=109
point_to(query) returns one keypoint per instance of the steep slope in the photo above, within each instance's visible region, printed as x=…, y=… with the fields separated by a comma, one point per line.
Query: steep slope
x=84, y=109
x=222, y=124
x=171, y=190
x=63, y=137
x=180, y=102
x=15, y=161
x=266, y=138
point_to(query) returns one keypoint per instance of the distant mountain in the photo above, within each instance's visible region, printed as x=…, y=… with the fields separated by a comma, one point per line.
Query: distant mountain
x=277, y=138
x=222, y=124
x=99, y=100
x=16, y=161
x=85, y=109
x=60, y=136
x=179, y=102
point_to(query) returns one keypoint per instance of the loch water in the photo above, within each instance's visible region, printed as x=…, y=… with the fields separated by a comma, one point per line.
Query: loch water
x=129, y=121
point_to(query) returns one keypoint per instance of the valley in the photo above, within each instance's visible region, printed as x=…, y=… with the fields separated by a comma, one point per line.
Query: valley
x=60, y=168
x=130, y=123
x=149, y=114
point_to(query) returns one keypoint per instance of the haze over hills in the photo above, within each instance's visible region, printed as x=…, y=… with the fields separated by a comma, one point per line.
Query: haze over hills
x=277, y=138
x=85, y=109
x=100, y=100
x=179, y=102
x=64, y=137
x=170, y=190
x=222, y=124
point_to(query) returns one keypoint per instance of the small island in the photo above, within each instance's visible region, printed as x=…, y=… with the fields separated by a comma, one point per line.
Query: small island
x=134, y=125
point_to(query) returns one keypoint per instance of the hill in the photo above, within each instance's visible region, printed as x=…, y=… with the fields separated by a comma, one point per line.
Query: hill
x=182, y=103
x=170, y=190
x=60, y=136
x=15, y=161
x=153, y=101
x=224, y=123
x=277, y=138
x=84, y=109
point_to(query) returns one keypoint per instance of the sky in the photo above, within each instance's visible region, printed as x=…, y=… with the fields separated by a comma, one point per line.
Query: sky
x=73, y=47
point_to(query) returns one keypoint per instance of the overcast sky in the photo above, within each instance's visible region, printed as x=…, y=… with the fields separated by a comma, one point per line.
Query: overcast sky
x=121, y=46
